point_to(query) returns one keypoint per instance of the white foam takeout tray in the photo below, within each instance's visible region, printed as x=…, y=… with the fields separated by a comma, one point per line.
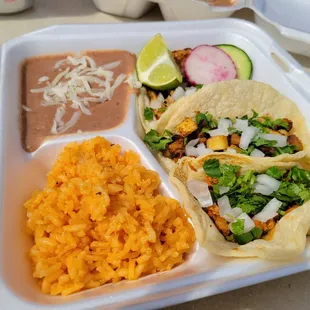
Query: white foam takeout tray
x=203, y=274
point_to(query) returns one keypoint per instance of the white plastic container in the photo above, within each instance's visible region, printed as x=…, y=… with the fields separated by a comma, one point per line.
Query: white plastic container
x=188, y=10
x=126, y=8
x=287, y=21
x=14, y=6
x=203, y=274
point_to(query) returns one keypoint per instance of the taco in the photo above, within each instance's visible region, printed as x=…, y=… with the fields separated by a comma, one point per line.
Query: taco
x=246, y=118
x=246, y=207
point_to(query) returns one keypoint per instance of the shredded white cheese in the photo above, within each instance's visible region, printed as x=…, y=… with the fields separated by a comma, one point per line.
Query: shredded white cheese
x=43, y=79
x=73, y=87
x=26, y=108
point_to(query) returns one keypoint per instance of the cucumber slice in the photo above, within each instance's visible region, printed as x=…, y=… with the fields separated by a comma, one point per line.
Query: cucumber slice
x=241, y=59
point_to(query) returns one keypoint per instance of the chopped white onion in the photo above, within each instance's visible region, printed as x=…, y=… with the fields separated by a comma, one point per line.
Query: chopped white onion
x=247, y=137
x=237, y=211
x=226, y=211
x=248, y=223
x=231, y=150
x=190, y=91
x=269, y=211
x=193, y=142
x=262, y=189
x=241, y=124
x=200, y=190
x=203, y=150
x=268, y=181
x=225, y=208
x=160, y=98
x=223, y=189
x=190, y=149
x=178, y=93
x=224, y=124
x=281, y=140
x=155, y=104
x=257, y=153
x=218, y=132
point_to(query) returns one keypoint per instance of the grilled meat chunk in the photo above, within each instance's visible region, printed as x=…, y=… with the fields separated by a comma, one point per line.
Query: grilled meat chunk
x=175, y=149
x=213, y=211
x=211, y=181
x=268, y=150
x=180, y=57
x=235, y=139
x=289, y=124
x=293, y=140
x=222, y=226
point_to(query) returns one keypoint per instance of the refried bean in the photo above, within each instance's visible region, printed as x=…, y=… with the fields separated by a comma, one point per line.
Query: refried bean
x=36, y=123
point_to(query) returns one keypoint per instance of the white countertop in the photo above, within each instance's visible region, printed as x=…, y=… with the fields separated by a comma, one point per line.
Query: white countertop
x=286, y=293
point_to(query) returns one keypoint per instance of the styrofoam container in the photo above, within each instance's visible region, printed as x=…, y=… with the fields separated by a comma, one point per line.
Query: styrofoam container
x=126, y=8
x=188, y=10
x=203, y=274
x=287, y=21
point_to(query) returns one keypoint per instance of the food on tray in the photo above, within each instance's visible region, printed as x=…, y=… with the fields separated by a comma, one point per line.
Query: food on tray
x=101, y=219
x=156, y=67
x=241, y=60
x=66, y=94
x=238, y=117
x=246, y=207
x=208, y=64
x=160, y=71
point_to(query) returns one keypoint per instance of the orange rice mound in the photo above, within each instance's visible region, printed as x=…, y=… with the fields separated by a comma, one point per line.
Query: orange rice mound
x=101, y=219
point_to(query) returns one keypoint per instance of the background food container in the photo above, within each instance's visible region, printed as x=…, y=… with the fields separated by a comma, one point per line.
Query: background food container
x=291, y=31
x=126, y=8
x=189, y=10
x=14, y=6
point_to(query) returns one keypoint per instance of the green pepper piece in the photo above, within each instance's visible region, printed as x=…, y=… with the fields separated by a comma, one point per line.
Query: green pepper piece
x=256, y=232
x=244, y=238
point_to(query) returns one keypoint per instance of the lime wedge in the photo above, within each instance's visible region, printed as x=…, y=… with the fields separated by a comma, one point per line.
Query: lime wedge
x=156, y=67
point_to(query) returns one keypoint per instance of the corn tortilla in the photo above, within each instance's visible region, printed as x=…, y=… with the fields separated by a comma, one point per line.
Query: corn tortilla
x=233, y=99
x=287, y=240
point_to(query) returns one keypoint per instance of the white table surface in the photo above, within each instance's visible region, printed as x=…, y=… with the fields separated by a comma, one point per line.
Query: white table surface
x=286, y=293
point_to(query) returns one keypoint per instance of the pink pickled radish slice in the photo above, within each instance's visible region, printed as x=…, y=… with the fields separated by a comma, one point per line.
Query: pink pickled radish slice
x=208, y=64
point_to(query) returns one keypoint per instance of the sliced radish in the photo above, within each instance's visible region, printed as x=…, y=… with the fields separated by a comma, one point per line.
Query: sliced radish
x=208, y=64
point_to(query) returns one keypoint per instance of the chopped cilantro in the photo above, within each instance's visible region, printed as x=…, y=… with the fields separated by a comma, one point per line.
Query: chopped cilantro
x=206, y=120
x=148, y=114
x=212, y=168
x=156, y=141
x=199, y=86
x=275, y=172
